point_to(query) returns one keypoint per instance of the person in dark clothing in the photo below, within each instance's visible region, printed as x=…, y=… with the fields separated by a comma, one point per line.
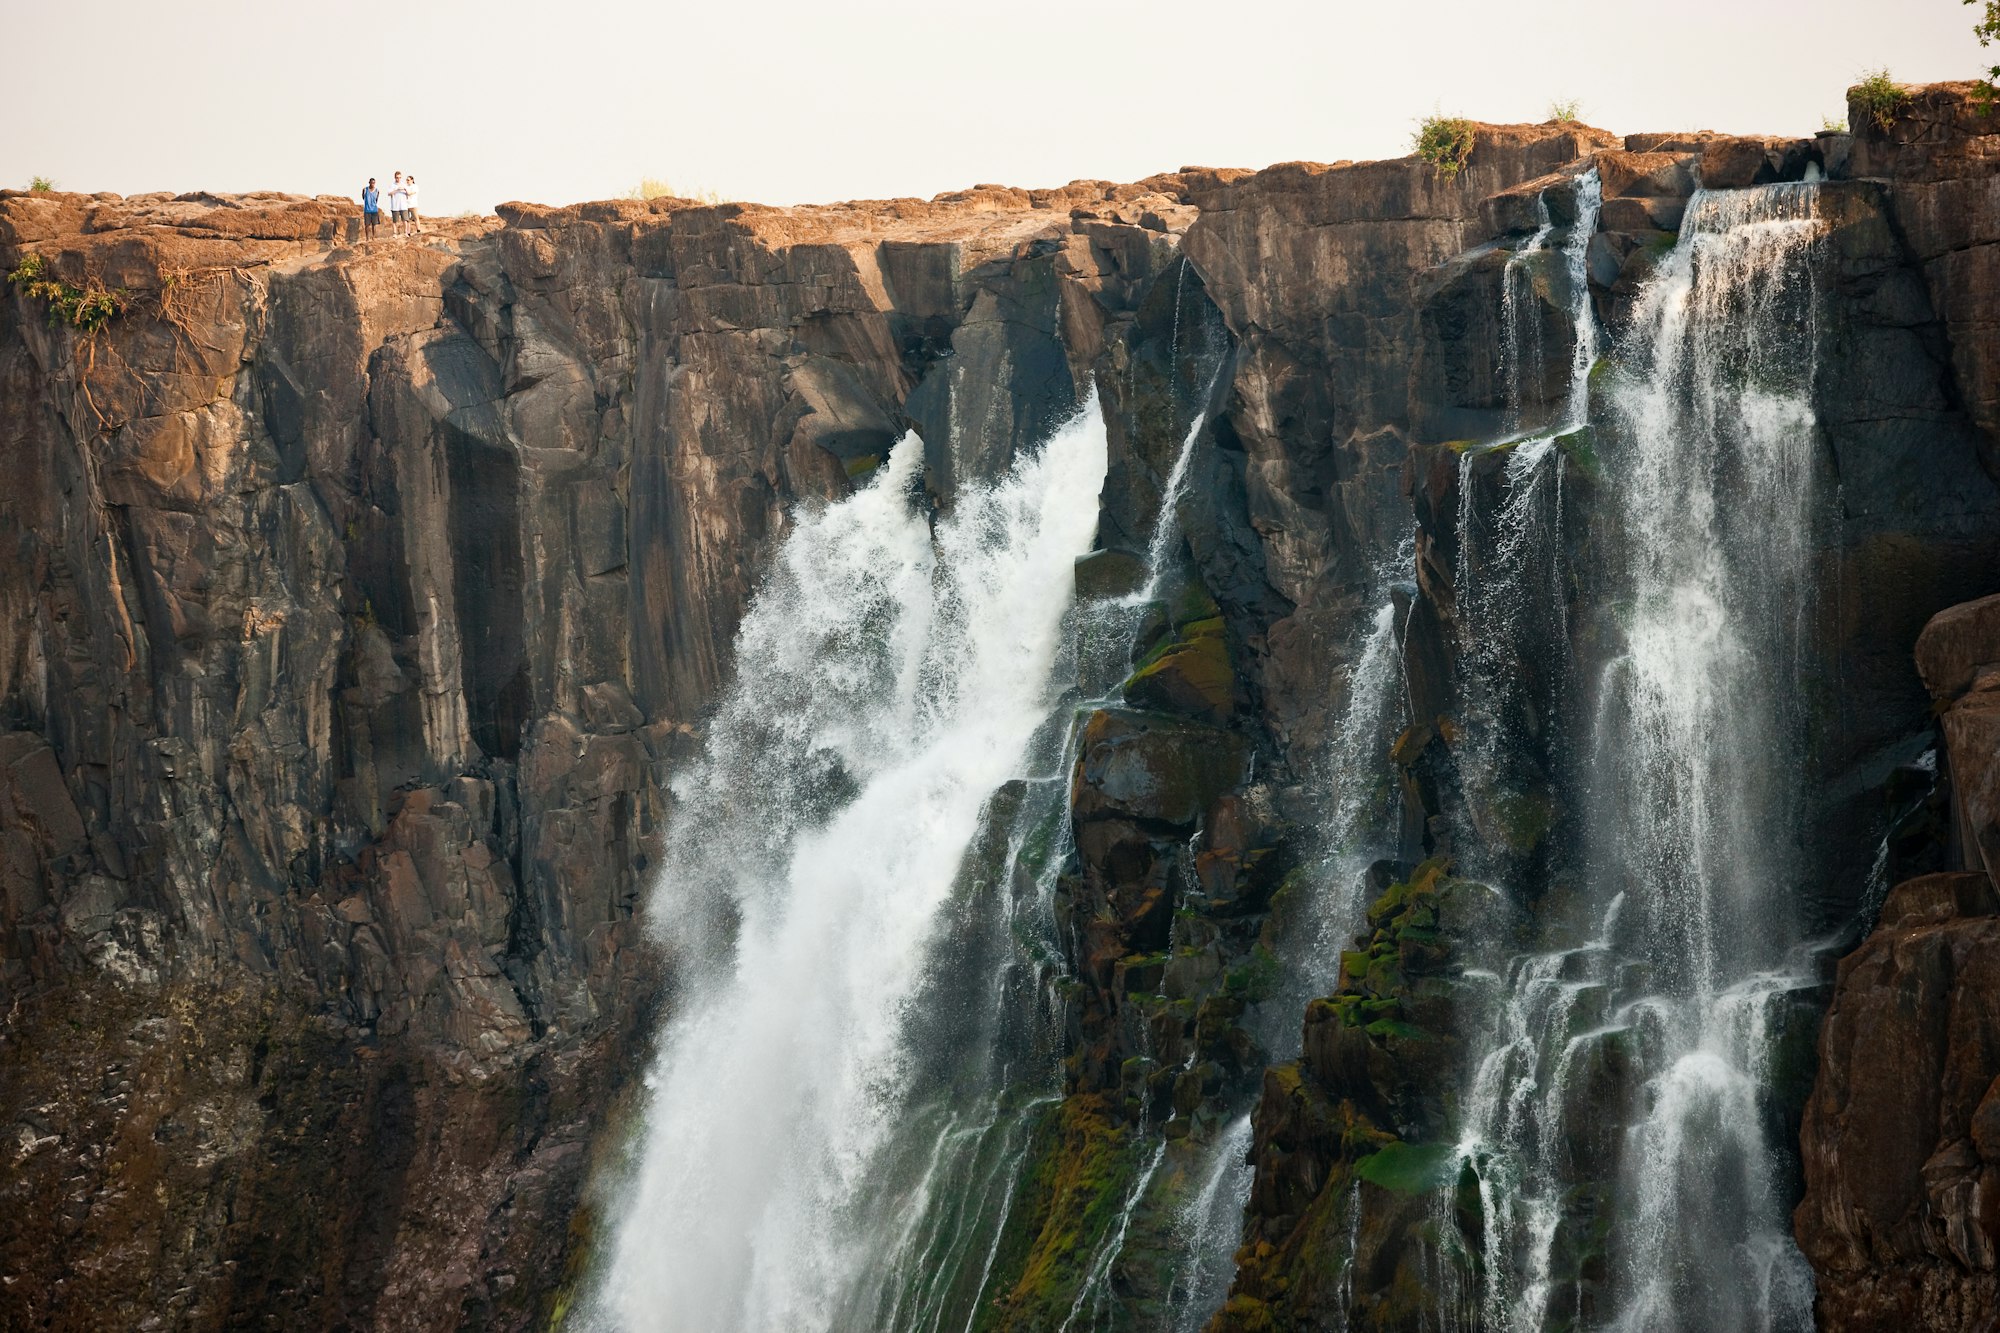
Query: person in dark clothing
x=371, y=210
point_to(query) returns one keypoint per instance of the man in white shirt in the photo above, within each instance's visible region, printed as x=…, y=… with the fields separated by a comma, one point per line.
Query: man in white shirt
x=399, y=199
x=410, y=205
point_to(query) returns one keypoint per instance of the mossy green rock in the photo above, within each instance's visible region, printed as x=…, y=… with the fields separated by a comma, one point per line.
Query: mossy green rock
x=1410, y=1168
x=1352, y=1140
x=1190, y=674
x=1080, y=1163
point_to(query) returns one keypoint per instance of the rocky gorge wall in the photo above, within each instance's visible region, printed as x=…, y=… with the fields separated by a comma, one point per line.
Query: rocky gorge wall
x=360, y=602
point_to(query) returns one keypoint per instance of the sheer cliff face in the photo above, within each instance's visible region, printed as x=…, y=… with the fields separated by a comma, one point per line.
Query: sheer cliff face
x=359, y=603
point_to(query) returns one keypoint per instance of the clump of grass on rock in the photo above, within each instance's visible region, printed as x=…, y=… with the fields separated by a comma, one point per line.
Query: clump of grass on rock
x=1878, y=98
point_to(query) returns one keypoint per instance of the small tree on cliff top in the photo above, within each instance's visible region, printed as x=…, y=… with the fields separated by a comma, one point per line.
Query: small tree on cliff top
x=1988, y=32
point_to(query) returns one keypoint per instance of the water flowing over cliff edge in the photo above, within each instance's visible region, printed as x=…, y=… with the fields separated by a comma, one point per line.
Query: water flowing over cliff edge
x=1291, y=749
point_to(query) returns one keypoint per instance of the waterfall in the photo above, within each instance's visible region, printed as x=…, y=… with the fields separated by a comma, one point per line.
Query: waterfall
x=1618, y=1118
x=1521, y=352
x=888, y=682
x=860, y=871
x=1362, y=817
x=1701, y=765
x=1211, y=1225
x=1531, y=275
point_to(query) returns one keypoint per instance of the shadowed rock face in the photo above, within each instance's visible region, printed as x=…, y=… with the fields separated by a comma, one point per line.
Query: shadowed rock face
x=1898, y=1216
x=1901, y=1138
x=359, y=603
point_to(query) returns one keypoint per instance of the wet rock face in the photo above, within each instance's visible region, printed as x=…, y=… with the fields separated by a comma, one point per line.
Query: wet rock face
x=1316, y=272
x=1352, y=1137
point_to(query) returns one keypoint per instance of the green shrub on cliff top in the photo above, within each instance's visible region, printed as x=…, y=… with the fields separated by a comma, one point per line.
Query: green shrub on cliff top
x=84, y=308
x=1878, y=98
x=1446, y=143
x=41, y=185
x=1566, y=110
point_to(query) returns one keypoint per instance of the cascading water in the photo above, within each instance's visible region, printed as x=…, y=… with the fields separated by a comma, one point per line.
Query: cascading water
x=1618, y=1119
x=1512, y=606
x=1361, y=825
x=889, y=681
x=860, y=879
x=1701, y=764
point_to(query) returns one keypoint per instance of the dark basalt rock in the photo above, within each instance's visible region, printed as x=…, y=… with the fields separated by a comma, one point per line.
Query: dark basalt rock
x=1349, y=1137
x=1901, y=1137
x=360, y=601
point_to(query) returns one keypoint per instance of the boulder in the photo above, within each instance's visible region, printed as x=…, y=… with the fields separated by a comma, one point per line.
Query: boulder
x=1109, y=573
x=1956, y=645
x=1153, y=769
x=1190, y=674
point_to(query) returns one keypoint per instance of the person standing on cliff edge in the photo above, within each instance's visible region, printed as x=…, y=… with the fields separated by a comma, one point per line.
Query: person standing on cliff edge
x=410, y=206
x=397, y=196
x=371, y=210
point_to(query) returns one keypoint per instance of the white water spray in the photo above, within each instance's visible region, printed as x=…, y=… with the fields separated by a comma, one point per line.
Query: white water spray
x=1704, y=763
x=1661, y=1003
x=885, y=687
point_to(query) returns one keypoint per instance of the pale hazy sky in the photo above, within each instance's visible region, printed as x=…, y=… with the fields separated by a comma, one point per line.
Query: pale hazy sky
x=783, y=102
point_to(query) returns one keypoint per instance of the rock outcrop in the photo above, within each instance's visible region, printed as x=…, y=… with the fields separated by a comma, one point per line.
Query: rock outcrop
x=1901, y=1138
x=1900, y=1168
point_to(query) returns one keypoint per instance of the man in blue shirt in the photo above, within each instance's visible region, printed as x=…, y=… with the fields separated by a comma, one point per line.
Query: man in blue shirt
x=371, y=210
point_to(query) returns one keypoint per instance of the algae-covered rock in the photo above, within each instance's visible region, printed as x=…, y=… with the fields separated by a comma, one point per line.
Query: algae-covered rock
x=1080, y=1165
x=1352, y=1141
x=1190, y=674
